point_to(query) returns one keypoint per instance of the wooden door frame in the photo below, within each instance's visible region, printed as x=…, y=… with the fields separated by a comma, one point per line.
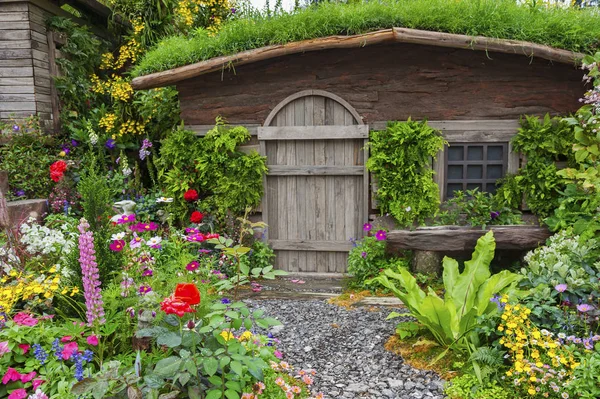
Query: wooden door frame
x=268, y=132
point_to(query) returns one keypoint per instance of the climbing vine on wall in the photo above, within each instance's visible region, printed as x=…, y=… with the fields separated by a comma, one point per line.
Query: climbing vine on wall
x=400, y=160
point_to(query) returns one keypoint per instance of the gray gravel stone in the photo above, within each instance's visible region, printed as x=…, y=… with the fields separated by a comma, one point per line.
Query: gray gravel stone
x=346, y=350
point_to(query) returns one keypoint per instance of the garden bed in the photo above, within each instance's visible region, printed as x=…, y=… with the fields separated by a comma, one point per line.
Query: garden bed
x=464, y=238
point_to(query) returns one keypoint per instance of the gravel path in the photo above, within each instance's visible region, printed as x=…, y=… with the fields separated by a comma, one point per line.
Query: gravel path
x=345, y=347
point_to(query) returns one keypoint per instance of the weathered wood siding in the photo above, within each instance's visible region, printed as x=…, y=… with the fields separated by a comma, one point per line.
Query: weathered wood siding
x=17, y=93
x=389, y=82
x=24, y=68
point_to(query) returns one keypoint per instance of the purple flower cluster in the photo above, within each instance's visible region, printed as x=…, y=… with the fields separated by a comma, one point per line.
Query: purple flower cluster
x=144, y=150
x=90, y=276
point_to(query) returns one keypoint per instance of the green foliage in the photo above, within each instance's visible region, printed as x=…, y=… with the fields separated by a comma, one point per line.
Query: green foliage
x=453, y=319
x=27, y=158
x=367, y=259
x=477, y=208
x=468, y=387
x=96, y=199
x=400, y=159
x=586, y=381
x=208, y=350
x=229, y=180
x=573, y=29
x=543, y=143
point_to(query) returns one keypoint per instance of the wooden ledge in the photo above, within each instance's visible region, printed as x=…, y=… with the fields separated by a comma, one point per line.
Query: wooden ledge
x=399, y=35
x=459, y=238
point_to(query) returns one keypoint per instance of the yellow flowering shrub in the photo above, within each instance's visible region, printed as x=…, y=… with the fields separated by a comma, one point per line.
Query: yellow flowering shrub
x=120, y=89
x=108, y=122
x=130, y=127
x=540, y=365
x=34, y=288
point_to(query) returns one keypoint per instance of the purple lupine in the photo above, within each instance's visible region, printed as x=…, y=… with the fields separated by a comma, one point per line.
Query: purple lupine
x=90, y=276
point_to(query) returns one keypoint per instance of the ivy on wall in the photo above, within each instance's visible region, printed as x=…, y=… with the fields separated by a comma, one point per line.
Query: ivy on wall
x=400, y=160
x=543, y=142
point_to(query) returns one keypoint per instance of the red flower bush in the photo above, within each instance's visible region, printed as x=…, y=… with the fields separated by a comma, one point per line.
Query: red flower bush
x=187, y=293
x=190, y=195
x=196, y=217
x=57, y=170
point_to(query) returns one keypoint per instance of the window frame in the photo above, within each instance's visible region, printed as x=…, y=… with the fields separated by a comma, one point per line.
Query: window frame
x=484, y=180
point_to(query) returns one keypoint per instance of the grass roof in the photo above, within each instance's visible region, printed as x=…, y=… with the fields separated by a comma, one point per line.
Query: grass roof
x=570, y=29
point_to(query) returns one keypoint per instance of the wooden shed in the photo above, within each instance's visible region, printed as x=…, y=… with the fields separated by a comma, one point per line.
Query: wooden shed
x=310, y=105
x=28, y=52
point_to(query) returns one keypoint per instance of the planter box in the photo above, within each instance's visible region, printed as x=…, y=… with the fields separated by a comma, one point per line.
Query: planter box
x=460, y=238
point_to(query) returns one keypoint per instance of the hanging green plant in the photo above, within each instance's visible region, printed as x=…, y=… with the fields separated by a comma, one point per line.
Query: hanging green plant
x=400, y=159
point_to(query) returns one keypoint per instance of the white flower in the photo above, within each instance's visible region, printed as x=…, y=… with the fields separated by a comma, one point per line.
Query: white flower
x=164, y=199
x=408, y=209
x=118, y=236
x=154, y=241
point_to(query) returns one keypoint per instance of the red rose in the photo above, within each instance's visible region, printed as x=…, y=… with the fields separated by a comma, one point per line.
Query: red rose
x=196, y=217
x=188, y=293
x=190, y=195
x=57, y=169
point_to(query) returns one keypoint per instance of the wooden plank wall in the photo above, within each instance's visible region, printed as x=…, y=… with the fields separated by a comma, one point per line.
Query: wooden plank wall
x=17, y=93
x=25, y=82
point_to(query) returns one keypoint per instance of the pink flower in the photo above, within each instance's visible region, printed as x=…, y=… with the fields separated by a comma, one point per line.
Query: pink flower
x=561, y=287
x=144, y=289
x=92, y=340
x=278, y=355
x=147, y=273
x=66, y=338
x=24, y=319
x=381, y=235
x=11, y=375
x=39, y=394
x=117, y=245
x=126, y=219
x=28, y=377
x=4, y=348
x=18, y=394
x=584, y=307
x=141, y=227
x=37, y=383
x=192, y=266
x=367, y=227
x=136, y=241
x=69, y=350
x=24, y=347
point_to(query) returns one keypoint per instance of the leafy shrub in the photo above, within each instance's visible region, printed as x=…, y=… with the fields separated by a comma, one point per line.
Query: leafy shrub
x=543, y=142
x=586, y=381
x=477, y=209
x=561, y=275
x=367, y=259
x=468, y=387
x=467, y=296
x=400, y=160
x=27, y=158
x=228, y=179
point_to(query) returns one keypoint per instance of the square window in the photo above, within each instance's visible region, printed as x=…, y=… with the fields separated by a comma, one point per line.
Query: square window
x=456, y=153
x=455, y=172
x=495, y=153
x=474, y=165
x=475, y=172
x=494, y=171
x=475, y=153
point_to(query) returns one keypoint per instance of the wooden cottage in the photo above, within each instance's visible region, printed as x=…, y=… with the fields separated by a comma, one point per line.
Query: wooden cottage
x=28, y=51
x=310, y=105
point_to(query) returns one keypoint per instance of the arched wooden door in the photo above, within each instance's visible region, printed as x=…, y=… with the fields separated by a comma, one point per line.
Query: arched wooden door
x=316, y=190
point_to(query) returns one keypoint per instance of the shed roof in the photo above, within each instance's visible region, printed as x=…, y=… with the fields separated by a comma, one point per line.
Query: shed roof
x=398, y=35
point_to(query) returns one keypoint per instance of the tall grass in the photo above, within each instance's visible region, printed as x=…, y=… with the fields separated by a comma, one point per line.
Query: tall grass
x=571, y=29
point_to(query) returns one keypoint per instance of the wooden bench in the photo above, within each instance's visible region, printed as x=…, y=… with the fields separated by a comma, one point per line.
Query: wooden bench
x=430, y=243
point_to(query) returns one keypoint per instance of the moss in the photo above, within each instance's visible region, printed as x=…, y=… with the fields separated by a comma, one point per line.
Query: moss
x=572, y=29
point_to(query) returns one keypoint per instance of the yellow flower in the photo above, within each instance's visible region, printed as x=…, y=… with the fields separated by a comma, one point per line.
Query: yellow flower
x=246, y=336
x=227, y=335
x=531, y=391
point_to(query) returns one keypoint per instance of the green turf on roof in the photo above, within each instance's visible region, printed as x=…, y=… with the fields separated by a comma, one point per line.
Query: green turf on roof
x=570, y=29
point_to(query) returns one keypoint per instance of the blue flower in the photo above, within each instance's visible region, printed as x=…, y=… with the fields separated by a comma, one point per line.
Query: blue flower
x=57, y=349
x=225, y=301
x=110, y=144
x=20, y=193
x=40, y=354
x=77, y=359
